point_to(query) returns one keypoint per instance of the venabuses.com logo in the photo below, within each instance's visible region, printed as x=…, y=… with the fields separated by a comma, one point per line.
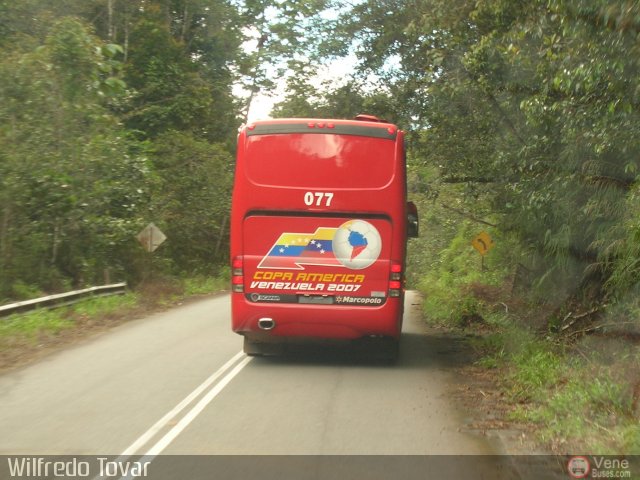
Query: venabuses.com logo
x=599, y=467
x=578, y=467
x=355, y=244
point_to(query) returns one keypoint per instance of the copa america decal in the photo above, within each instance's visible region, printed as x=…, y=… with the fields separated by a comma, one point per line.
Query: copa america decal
x=355, y=244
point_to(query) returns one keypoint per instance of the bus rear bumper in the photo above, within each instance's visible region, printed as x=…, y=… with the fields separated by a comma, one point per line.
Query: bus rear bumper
x=278, y=322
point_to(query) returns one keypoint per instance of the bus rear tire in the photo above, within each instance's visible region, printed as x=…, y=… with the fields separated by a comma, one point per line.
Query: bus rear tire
x=390, y=350
x=259, y=349
x=383, y=349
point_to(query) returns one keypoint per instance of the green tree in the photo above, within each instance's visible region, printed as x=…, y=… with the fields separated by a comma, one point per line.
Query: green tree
x=346, y=101
x=192, y=201
x=285, y=35
x=530, y=106
x=168, y=92
x=71, y=183
x=91, y=127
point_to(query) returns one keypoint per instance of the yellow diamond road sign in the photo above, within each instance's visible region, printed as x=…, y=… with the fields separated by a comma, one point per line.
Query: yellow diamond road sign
x=151, y=237
x=482, y=243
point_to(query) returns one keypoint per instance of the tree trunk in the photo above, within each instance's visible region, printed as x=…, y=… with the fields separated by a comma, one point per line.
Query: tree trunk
x=5, y=247
x=223, y=227
x=253, y=89
x=126, y=32
x=110, y=28
x=56, y=242
x=185, y=24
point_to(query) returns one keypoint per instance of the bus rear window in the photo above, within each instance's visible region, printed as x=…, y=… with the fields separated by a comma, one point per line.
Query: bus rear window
x=319, y=161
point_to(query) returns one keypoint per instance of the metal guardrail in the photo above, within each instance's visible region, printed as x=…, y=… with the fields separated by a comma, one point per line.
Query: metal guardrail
x=61, y=299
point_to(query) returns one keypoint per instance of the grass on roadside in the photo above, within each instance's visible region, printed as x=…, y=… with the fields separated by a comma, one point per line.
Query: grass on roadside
x=580, y=395
x=31, y=326
x=576, y=400
x=203, y=285
x=447, y=299
x=21, y=333
x=580, y=392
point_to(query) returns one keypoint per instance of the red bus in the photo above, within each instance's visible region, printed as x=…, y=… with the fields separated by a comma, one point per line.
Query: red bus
x=319, y=228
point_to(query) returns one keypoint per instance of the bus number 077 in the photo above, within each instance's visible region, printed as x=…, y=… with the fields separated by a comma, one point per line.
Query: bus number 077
x=318, y=199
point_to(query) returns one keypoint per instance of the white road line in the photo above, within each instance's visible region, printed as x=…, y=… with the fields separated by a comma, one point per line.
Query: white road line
x=149, y=434
x=187, y=419
x=195, y=411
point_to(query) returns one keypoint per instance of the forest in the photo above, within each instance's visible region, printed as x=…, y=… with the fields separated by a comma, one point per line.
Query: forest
x=522, y=118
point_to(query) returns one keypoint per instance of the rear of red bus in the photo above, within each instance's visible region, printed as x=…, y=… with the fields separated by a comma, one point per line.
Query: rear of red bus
x=318, y=232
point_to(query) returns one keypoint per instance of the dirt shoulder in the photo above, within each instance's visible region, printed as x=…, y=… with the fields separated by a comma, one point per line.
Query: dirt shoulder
x=477, y=393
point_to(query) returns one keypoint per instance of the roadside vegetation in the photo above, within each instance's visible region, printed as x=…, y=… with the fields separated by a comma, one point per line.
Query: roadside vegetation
x=26, y=335
x=567, y=373
x=118, y=113
x=523, y=121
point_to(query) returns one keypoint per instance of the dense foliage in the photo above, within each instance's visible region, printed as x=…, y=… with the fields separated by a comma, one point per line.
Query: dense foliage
x=117, y=113
x=523, y=114
x=523, y=120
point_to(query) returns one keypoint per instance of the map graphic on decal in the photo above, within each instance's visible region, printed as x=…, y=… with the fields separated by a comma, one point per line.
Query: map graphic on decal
x=356, y=244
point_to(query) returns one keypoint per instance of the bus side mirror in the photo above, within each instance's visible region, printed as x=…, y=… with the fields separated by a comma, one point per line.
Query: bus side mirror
x=413, y=223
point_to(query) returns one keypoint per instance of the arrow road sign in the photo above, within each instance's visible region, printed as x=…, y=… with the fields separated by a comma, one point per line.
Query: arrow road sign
x=482, y=243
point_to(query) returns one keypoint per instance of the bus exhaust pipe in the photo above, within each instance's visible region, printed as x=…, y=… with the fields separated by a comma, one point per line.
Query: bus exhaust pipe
x=266, y=323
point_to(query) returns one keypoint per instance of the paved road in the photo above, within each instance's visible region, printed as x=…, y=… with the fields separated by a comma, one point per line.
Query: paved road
x=177, y=383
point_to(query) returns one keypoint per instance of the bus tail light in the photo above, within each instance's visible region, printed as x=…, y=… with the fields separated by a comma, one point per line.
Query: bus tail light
x=396, y=271
x=395, y=280
x=237, y=275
